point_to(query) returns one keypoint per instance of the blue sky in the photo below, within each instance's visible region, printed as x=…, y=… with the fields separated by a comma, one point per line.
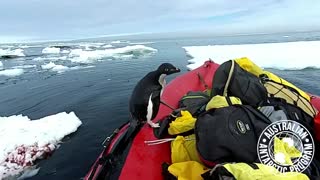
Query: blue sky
x=23, y=20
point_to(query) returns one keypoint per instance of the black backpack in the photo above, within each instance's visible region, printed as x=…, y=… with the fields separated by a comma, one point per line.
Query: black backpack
x=194, y=102
x=229, y=134
x=231, y=80
x=289, y=94
x=292, y=112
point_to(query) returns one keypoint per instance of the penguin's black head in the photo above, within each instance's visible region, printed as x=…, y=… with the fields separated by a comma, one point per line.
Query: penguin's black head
x=167, y=68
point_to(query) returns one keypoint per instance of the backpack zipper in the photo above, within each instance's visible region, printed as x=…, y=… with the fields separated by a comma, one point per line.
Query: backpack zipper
x=192, y=97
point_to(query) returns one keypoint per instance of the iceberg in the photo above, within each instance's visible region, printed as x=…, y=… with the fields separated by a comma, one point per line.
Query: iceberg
x=288, y=55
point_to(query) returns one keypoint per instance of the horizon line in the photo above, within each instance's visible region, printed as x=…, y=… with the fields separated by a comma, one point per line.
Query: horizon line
x=186, y=35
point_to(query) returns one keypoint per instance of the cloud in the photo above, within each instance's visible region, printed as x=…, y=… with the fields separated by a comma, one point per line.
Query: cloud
x=286, y=15
x=58, y=19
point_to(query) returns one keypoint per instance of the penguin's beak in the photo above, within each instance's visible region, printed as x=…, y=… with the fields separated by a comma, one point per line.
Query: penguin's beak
x=175, y=70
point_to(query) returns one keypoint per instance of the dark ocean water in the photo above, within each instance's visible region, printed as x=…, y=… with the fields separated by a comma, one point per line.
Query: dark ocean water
x=99, y=95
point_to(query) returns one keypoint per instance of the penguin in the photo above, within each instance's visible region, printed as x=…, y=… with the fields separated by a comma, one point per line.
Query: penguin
x=145, y=98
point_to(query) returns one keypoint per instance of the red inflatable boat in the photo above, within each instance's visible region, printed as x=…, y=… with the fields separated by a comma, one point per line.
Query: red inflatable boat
x=141, y=161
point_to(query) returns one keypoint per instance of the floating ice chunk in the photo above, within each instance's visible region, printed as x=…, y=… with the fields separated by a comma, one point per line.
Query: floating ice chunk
x=60, y=68
x=51, y=50
x=65, y=51
x=26, y=66
x=79, y=55
x=134, y=43
x=119, y=42
x=107, y=46
x=50, y=58
x=11, y=72
x=23, y=141
x=48, y=66
x=55, y=67
x=11, y=53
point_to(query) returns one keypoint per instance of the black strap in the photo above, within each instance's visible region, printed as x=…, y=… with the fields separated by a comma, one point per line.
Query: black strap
x=162, y=131
x=219, y=172
x=253, y=165
x=187, y=133
x=252, y=113
x=257, y=113
x=228, y=100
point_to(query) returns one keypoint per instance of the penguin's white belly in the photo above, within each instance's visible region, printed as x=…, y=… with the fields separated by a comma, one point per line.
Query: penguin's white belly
x=162, y=82
x=149, y=108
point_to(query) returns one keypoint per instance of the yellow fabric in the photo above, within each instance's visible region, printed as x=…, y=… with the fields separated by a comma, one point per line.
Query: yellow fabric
x=282, y=81
x=242, y=171
x=187, y=170
x=293, y=98
x=284, y=152
x=184, y=149
x=249, y=66
x=220, y=101
x=182, y=124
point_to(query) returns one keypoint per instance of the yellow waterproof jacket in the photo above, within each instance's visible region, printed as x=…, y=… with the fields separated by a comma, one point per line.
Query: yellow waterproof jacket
x=222, y=101
x=184, y=149
x=189, y=170
x=182, y=124
x=243, y=171
x=184, y=156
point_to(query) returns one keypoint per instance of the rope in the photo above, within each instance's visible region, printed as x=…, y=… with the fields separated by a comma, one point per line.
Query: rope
x=161, y=141
x=202, y=81
x=164, y=103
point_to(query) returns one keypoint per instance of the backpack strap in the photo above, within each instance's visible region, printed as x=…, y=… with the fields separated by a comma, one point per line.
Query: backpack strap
x=164, y=123
x=225, y=91
x=253, y=114
x=162, y=131
x=228, y=100
x=257, y=113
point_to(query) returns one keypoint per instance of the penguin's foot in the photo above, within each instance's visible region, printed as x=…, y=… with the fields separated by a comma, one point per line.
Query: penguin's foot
x=153, y=125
